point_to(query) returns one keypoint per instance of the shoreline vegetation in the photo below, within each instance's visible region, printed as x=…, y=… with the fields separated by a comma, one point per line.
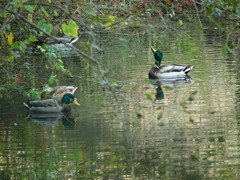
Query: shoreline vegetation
x=27, y=24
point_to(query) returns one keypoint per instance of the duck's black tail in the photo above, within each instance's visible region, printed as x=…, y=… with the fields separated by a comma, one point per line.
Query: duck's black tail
x=26, y=104
x=187, y=69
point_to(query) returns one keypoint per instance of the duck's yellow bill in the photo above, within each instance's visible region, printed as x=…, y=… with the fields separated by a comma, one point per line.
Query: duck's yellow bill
x=75, y=102
x=153, y=50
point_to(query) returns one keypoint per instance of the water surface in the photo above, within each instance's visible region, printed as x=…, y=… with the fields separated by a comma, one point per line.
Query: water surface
x=191, y=133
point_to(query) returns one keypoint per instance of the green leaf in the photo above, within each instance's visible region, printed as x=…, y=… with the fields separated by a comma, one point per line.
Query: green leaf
x=34, y=94
x=224, y=49
x=149, y=97
x=22, y=46
x=59, y=65
x=52, y=79
x=30, y=8
x=30, y=17
x=137, y=13
x=27, y=41
x=168, y=87
x=17, y=3
x=192, y=96
x=180, y=22
x=114, y=83
x=70, y=29
x=44, y=26
x=27, y=65
x=47, y=89
x=32, y=38
x=211, y=20
x=44, y=11
x=160, y=115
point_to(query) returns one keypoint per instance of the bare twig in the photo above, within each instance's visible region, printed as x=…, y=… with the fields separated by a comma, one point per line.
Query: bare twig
x=119, y=22
x=62, y=9
x=163, y=21
x=113, y=8
x=104, y=7
x=8, y=20
x=197, y=13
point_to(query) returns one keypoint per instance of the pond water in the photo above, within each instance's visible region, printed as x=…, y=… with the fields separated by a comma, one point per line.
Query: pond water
x=181, y=130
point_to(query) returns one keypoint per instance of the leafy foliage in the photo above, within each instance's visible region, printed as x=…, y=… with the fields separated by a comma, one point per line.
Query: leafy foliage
x=28, y=24
x=44, y=26
x=71, y=29
x=221, y=12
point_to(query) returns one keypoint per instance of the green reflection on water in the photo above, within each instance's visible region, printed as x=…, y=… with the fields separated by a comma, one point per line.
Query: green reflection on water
x=132, y=137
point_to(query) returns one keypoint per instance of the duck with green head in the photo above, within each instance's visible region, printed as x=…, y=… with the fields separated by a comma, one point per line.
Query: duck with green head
x=166, y=71
x=58, y=100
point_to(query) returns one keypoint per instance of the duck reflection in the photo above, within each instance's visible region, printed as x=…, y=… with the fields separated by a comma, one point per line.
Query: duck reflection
x=159, y=92
x=157, y=83
x=52, y=118
x=49, y=112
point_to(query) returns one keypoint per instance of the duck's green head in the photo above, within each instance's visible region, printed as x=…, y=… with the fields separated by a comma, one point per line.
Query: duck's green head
x=69, y=98
x=158, y=56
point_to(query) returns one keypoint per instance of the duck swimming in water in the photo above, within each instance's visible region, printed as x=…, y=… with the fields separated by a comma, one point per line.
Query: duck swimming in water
x=166, y=71
x=54, y=101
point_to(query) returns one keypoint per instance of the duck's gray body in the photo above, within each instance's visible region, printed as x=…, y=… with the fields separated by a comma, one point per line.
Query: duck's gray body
x=168, y=71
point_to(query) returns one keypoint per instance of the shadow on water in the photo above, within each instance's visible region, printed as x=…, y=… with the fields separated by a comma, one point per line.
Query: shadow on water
x=188, y=135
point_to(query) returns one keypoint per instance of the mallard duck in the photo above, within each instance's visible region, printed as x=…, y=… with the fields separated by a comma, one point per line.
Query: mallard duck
x=57, y=92
x=167, y=71
x=57, y=100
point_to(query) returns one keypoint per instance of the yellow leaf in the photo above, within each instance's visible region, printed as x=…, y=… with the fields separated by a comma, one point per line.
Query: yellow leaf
x=10, y=38
x=180, y=22
x=108, y=25
x=112, y=18
x=50, y=1
x=11, y=57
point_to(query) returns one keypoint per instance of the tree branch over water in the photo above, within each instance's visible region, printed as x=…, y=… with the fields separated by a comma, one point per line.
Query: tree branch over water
x=102, y=76
x=55, y=38
x=194, y=2
x=60, y=8
x=52, y=17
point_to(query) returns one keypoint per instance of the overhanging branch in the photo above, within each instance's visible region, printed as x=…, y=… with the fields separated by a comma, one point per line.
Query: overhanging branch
x=93, y=60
